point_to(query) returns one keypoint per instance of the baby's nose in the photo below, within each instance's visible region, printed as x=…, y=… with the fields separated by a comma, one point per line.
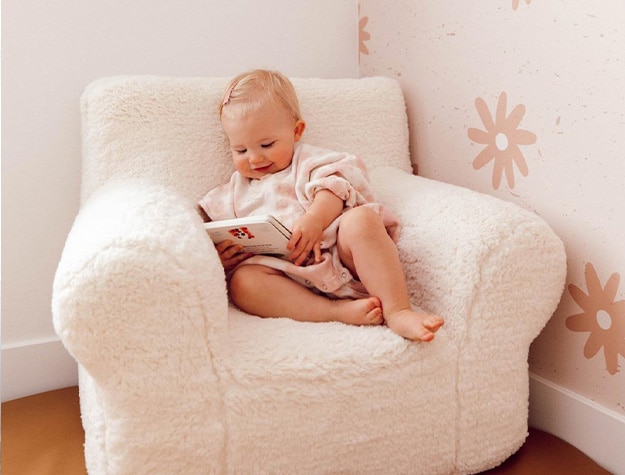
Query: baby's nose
x=256, y=157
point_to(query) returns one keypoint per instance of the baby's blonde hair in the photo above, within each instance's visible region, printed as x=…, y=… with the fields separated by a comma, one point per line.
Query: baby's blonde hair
x=251, y=90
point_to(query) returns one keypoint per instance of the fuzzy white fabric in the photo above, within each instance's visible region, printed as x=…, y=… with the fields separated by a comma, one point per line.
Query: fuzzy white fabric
x=173, y=380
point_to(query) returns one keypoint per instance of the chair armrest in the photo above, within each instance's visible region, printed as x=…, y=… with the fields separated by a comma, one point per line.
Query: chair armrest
x=480, y=262
x=496, y=273
x=139, y=286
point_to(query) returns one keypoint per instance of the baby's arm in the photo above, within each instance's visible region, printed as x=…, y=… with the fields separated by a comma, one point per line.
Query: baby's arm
x=308, y=229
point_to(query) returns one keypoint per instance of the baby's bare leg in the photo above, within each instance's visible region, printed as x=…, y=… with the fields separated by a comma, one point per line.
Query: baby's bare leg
x=369, y=252
x=267, y=292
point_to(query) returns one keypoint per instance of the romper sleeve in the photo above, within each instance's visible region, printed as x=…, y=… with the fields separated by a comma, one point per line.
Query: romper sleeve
x=218, y=203
x=343, y=174
x=346, y=176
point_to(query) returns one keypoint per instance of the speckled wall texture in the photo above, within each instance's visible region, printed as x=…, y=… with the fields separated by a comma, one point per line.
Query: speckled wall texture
x=525, y=100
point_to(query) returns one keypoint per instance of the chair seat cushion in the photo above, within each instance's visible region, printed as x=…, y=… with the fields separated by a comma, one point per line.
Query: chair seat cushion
x=341, y=391
x=261, y=348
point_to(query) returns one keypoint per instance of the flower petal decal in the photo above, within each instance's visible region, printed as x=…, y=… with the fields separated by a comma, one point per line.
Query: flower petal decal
x=603, y=318
x=515, y=3
x=362, y=35
x=502, y=139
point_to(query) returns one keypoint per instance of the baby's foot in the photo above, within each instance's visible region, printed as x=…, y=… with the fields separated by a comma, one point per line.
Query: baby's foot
x=367, y=311
x=414, y=325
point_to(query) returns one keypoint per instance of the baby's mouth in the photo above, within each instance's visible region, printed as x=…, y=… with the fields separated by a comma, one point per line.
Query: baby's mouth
x=262, y=169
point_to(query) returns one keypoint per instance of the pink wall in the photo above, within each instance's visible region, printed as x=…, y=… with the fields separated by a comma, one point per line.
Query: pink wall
x=525, y=101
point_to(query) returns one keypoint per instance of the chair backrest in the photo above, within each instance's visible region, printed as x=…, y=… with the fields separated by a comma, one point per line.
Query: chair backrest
x=167, y=130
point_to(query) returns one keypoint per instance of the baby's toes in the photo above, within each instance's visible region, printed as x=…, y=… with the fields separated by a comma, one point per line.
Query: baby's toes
x=375, y=316
x=433, y=323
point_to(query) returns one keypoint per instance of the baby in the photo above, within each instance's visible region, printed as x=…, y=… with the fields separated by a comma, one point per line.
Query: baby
x=344, y=264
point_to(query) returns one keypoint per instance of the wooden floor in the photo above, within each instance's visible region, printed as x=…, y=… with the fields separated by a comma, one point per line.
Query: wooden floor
x=42, y=434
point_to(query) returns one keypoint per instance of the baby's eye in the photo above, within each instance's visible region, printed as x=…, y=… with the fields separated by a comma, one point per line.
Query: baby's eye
x=267, y=145
x=241, y=151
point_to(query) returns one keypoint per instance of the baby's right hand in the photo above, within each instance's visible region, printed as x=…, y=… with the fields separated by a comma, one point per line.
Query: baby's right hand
x=230, y=254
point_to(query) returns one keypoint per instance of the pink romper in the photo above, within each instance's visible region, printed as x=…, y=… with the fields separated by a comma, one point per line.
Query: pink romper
x=287, y=195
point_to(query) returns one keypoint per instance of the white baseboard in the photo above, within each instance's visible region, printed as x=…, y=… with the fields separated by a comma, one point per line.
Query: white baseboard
x=36, y=366
x=593, y=429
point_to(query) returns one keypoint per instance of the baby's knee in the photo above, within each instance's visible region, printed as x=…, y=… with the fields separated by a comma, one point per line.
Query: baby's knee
x=242, y=281
x=359, y=220
x=247, y=279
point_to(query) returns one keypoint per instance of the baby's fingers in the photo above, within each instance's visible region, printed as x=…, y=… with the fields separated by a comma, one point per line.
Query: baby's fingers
x=235, y=260
x=300, y=258
x=317, y=252
x=296, y=236
x=223, y=245
x=227, y=250
x=297, y=245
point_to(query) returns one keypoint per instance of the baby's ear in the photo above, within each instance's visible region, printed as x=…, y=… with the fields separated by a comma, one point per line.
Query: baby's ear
x=300, y=126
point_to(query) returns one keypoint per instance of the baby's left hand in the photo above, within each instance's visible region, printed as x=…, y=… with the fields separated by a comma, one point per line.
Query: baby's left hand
x=305, y=239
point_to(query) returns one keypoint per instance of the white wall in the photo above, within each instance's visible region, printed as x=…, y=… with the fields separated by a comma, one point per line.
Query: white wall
x=51, y=49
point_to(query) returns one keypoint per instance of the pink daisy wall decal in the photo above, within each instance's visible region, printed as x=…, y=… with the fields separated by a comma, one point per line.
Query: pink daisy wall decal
x=603, y=318
x=515, y=3
x=363, y=36
x=502, y=139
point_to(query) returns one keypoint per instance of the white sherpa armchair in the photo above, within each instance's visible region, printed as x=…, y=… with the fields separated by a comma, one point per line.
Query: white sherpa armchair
x=174, y=380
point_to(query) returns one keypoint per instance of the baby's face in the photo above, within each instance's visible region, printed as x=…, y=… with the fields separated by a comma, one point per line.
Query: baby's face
x=263, y=141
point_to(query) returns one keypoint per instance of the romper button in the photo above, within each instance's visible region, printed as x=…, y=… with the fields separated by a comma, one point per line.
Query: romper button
x=307, y=282
x=324, y=287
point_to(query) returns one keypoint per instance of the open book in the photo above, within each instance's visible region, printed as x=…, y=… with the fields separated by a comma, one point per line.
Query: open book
x=257, y=234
